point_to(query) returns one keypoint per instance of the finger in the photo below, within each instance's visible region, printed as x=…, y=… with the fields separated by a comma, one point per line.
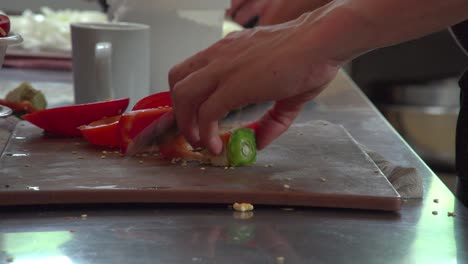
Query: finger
x=209, y=114
x=248, y=11
x=216, y=107
x=277, y=120
x=185, y=68
x=188, y=95
x=235, y=5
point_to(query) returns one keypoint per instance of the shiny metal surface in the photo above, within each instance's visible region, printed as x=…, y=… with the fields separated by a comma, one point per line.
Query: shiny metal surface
x=206, y=234
x=5, y=111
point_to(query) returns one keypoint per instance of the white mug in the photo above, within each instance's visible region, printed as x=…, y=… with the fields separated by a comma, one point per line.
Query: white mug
x=110, y=61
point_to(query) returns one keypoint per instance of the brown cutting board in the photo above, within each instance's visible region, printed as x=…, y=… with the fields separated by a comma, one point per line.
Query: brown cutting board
x=313, y=164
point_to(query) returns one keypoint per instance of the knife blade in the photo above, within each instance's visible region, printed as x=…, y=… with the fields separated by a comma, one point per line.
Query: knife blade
x=155, y=133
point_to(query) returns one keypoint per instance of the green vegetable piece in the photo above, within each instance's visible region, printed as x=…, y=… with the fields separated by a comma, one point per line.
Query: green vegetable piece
x=25, y=92
x=242, y=147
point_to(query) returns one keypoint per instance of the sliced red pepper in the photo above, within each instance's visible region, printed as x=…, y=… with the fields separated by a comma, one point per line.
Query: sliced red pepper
x=162, y=99
x=66, y=120
x=4, y=25
x=178, y=148
x=253, y=126
x=133, y=122
x=104, y=132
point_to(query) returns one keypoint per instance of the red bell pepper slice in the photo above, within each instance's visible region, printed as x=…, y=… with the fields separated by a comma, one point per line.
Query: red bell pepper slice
x=133, y=122
x=162, y=99
x=4, y=25
x=104, y=132
x=66, y=120
x=178, y=148
x=253, y=126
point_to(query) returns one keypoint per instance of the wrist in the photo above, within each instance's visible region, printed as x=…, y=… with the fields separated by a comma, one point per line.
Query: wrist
x=339, y=32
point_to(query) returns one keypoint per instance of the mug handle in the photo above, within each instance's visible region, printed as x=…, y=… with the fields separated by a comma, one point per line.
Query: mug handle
x=103, y=64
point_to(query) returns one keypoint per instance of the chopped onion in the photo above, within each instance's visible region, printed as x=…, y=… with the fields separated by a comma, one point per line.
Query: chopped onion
x=49, y=30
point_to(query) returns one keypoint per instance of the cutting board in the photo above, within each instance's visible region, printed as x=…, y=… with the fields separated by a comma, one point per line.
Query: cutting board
x=313, y=164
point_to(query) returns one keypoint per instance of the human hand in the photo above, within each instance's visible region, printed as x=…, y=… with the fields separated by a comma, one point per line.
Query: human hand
x=264, y=64
x=271, y=12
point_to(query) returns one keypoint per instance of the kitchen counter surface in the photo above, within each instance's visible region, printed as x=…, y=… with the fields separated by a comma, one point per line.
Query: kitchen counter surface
x=215, y=234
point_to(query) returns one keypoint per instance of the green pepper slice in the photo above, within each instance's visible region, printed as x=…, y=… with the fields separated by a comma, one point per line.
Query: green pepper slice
x=242, y=147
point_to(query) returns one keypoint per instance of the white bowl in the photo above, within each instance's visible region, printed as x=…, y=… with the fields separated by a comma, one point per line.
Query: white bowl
x=12, y=39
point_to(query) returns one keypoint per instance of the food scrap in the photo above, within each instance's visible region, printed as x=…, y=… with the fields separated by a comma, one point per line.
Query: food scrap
x=24, y=99
x=243, y=207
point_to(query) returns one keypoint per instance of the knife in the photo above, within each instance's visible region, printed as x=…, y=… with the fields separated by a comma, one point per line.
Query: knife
x=155, y=133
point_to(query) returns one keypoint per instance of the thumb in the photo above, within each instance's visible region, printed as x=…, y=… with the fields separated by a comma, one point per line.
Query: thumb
x=277, y=120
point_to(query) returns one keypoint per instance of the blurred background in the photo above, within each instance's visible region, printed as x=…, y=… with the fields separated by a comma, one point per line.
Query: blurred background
x=413, y=84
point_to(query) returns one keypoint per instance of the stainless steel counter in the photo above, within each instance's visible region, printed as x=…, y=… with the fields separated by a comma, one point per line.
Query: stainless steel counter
x=214, y=234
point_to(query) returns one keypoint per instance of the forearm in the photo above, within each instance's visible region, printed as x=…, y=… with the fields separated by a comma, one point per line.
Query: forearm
x=287, y=10
x=352, y=27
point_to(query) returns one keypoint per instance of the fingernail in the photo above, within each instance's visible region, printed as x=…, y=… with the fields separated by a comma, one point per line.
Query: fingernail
x=215, y=145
